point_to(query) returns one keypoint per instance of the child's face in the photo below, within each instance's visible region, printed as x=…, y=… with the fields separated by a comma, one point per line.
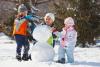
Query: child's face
x=67, y=26
x=23, y=13
x=48, y=20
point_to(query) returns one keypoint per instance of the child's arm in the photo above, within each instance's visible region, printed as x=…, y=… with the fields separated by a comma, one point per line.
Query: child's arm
x=72, y=36
x=63, y=36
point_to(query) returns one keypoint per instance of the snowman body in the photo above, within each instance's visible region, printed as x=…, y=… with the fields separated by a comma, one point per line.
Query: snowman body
x=42, y=51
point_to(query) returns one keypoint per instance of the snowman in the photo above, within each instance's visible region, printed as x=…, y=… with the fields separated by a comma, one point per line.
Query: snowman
x=42, y=51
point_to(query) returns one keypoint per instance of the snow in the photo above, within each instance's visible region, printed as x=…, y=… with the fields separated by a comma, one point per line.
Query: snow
x=42, y=51
x=42, y=33
x=4, y=39
x=84, y=57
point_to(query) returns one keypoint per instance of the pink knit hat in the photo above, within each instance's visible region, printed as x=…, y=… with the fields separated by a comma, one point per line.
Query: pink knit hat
x=69, y=21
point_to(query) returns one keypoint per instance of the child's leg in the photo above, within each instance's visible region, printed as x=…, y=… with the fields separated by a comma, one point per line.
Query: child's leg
x=19, y=47
x=19, y=44
x=69, y=52
x=61, y=55
x=26, y=48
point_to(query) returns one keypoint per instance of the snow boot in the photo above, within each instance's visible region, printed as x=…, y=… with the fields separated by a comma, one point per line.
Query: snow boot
x=29, y=57
x=62, y=61
x=34, y=42
x=25, y=57
x=18, y=57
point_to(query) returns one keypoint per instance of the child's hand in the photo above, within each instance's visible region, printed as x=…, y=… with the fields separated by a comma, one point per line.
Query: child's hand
x=53, y=29
x=63, y=42
x=65, y=28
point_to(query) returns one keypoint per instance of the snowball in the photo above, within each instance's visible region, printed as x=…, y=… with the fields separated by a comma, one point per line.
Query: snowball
x=42, y=33
x=42, y=52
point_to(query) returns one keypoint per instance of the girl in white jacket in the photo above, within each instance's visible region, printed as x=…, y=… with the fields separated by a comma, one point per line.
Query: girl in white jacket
x=67, y=41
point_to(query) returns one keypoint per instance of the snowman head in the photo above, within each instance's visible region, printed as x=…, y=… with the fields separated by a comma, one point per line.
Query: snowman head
x=42, y=33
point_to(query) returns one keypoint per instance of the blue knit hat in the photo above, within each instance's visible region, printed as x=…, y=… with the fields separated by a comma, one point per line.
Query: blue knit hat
x=22, y=8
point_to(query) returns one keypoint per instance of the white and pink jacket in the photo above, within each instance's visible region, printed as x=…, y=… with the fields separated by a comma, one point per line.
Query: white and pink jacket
x=68, y=37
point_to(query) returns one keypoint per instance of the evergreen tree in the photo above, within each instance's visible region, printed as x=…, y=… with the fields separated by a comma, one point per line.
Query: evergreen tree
x=85, y=14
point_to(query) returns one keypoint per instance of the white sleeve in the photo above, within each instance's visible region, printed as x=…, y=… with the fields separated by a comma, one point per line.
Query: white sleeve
x=72, y=36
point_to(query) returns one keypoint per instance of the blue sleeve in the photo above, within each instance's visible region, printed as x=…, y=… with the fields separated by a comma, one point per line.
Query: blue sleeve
x=28, y=17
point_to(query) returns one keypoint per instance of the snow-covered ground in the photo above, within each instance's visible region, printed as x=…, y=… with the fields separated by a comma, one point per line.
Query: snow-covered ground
x=84, y=57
